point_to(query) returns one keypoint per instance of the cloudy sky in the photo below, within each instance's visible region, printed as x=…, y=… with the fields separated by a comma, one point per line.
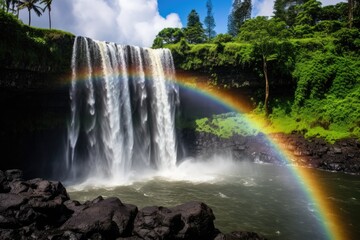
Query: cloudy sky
x=136, y=22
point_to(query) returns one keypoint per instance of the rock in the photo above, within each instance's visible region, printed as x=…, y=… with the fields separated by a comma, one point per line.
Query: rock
x=108, y=217
x=337, y=150
x=198, y=219
x=26, y=215
x=10, y=201
x=192, y=220
x=8, y=222
x=74, y=206
x=2, y=177
x=47, y=189
x=157, y=223
x=13, y=174
x=18, y=187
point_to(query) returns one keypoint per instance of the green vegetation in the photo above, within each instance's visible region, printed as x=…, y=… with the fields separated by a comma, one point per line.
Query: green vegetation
x=31, y=48
x=225, y=125
x=310, y=51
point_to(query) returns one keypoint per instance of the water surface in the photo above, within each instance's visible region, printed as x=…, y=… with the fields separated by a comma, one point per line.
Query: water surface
x=244, y=196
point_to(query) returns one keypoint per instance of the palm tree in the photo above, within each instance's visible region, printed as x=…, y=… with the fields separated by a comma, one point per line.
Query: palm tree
x=30, y=5
x=47, y=6
x=7, y=4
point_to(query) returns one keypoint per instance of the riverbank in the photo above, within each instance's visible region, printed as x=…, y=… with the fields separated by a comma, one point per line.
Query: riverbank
x=341, y=156
x=42, y=209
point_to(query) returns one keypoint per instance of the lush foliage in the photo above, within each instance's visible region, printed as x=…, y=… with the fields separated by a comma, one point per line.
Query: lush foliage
x=226, y=125
x=38, y=6
x=240, y=12
x=33, y=48
x=308, y=50
x=194, y=32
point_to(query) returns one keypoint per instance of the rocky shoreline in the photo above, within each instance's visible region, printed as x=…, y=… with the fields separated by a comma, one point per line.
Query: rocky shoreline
x=342, y=156
x=42, y=209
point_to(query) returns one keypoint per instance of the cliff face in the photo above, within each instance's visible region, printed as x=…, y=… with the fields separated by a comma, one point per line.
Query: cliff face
x=34, y=98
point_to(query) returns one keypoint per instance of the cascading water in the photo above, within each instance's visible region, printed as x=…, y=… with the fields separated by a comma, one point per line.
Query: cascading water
x=122, y=110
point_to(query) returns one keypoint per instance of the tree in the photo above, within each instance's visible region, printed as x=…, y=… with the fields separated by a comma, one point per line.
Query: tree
x=308, y=13
x=30, y=5
x=240, y=12
x=285, y=10
x=264, y=34
x=354, y=12
x=194, y=31
x=47, y=6
x=334, y=12
x=168, y=36
x=209, y=21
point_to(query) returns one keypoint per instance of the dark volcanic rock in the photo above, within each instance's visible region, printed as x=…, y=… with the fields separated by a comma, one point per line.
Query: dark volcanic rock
x=13, y=174
x=109, y=217
x=157, y=223
x=41, y=209
x=10, y=201
x=198, y=219
x=193, y=220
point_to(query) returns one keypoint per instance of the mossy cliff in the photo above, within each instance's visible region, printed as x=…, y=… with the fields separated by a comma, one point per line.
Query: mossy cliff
x=34, y=68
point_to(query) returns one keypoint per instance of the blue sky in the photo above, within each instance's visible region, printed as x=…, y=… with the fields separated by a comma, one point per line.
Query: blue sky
x=221, y=9
x=136, y=22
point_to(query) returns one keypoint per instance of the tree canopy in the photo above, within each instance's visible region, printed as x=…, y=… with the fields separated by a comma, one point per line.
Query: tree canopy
x=194, y=31
x=209, y=21
x=240, y=12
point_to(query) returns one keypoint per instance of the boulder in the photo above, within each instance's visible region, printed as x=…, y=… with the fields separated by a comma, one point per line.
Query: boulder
x=192, y=220
x=10, y=201
x=198, y=221
x=109, y=217
x=14, y=174
x=47, y=189
x=157, y=223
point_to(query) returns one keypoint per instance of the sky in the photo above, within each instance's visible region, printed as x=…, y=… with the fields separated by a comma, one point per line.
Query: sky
x=136, y=22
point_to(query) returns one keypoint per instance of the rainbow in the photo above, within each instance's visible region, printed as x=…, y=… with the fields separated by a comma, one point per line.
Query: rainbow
x=332, y=225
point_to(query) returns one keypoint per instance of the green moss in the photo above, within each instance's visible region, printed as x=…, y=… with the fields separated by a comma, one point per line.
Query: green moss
x=226, y=125
x=32, y=48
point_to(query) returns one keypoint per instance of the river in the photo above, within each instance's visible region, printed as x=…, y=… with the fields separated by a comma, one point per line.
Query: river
x=263, y=198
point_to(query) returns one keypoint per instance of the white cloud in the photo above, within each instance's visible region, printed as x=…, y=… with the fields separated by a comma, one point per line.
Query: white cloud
x=134, y=22
x=266, y=7
x=263, y=7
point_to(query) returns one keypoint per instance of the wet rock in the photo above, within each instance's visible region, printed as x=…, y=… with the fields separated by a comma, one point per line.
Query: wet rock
x=192, y=220
x=10, y=201
x=157, y=223
x=198, y=219
x=108, y=217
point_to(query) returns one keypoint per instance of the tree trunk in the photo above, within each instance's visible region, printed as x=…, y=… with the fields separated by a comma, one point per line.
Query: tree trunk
x=29, y=17
x=266, y=104
x=49, y=19
x=351, y=12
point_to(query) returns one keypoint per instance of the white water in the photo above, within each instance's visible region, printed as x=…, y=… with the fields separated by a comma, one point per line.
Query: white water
x=122, y=111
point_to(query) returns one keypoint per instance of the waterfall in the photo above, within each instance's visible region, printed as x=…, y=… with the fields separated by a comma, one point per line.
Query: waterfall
x=123, y=103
